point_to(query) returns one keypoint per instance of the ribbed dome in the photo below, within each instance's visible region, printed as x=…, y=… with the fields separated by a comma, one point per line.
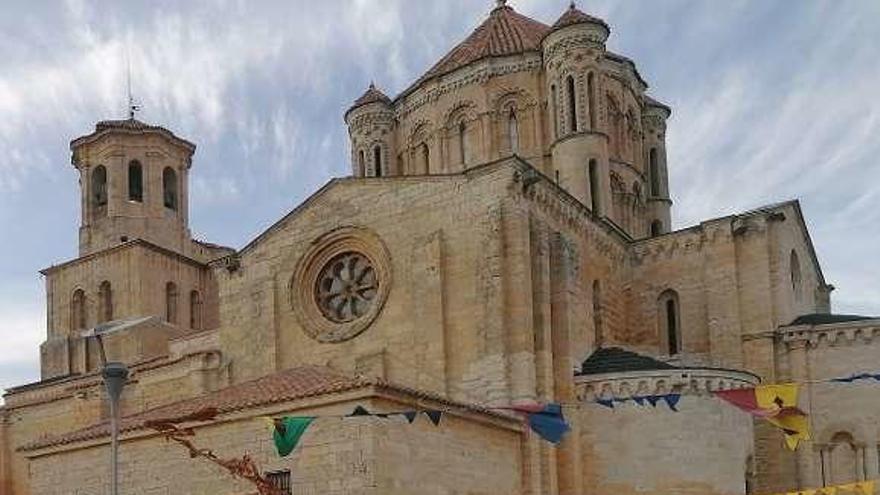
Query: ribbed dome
x=574, y=16
x=371, y=95
x=505, y=32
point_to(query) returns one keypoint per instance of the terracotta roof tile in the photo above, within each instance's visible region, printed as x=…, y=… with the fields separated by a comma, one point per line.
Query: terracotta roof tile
x=505, y=32
x=284, y=386
x=371, y=95
x=128, y=125
x=573, y=16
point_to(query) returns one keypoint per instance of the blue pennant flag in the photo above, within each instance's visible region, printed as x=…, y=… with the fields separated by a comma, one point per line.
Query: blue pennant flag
x=857, y=376
x=609, y=403
x=549, y=423
x=639, y=400
x=672, y=400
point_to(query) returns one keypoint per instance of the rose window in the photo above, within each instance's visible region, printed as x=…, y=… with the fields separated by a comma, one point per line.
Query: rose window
x=346, y=287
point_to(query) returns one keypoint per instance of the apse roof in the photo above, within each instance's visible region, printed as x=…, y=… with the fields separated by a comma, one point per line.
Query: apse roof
x=827, y=318
x=615, y=359
x=504, y=32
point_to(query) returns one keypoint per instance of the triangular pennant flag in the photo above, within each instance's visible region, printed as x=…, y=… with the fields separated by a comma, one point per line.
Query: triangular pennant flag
x=639, y=400
x=672, y=400
x=288, y=431
x=434, y=416
x=609, y=403
x=549, y=423
x=359, y=411
x=410, y=415
x=652, y=399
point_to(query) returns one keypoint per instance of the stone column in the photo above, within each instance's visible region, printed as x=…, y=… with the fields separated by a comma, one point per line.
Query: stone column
x=563, y=268
x=807, y=468
x=518, y=315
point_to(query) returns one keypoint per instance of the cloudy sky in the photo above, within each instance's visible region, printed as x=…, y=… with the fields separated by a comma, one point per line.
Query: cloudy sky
x=773, y=100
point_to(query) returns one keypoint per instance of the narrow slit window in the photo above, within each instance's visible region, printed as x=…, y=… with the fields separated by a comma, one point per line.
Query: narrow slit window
x=595, y=200
x=513, y=131
x=377, y=161
x=591, y=100
x=171, y=302
x=572, y=105
x=654, y=167
x=462, y=137
x=105, y=296
x=195, y=310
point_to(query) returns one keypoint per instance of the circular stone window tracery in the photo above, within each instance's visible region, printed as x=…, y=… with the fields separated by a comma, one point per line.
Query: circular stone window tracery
x=346, y=287
x=340, y=284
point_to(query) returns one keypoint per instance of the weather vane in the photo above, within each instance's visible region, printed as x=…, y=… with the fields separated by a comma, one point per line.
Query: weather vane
x=132, y=106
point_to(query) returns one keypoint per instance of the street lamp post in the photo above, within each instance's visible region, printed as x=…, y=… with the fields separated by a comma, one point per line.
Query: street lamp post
x=115, y=375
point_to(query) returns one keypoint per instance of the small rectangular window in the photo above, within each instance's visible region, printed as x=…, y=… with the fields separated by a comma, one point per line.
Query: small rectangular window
x=280, y=480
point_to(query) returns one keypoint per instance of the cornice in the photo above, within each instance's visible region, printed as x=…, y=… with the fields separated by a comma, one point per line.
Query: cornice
x=685, y=381
x=861, y=332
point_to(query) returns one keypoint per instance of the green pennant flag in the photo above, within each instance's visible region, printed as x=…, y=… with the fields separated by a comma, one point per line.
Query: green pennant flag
x=288, y=430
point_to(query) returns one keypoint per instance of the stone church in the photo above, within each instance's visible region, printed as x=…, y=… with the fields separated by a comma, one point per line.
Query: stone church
x=504, y=238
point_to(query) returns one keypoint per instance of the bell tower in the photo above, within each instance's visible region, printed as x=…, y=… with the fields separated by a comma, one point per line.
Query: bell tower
x=134, y=185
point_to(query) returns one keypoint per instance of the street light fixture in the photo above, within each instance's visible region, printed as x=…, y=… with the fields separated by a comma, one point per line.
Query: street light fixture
x=115, y=375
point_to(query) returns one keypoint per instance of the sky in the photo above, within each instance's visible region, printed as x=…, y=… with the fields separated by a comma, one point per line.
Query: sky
x=772, y=100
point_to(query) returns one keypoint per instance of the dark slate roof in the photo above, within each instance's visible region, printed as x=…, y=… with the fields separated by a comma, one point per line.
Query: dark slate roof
x=615, y=359
x=574, y=16
x=824, y=319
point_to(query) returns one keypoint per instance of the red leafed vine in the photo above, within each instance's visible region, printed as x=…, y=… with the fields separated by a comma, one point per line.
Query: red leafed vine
x=243, y=467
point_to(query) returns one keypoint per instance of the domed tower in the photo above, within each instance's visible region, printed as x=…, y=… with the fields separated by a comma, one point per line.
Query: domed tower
x=654, y=118
x=133, y=182
x=371, y=126
x=572, y=51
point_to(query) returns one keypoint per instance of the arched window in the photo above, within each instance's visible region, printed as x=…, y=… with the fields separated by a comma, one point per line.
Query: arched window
x=426, y=158
x=171, y=302
x=462, y=138
x=513, y=131
x=169, y=188
x=597, y=314
x=795, y=272
x=377, y=161
x=78, y=310
x=654, y=171
x=195, y=310
x=656, y=228
x=595, y=200
x=362, y=171
x=670, y=321
x=843, y=461
x=592, y=101
x=553, y=112
x=105, y=297
x=135, y=182
x=99, y=186
x=572, y=106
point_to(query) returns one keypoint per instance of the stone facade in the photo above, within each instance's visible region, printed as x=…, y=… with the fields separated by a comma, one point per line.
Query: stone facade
x=507, y=216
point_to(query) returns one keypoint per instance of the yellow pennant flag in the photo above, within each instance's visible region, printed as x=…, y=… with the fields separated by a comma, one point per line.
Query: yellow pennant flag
x=867, y=487
x=783, y=399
